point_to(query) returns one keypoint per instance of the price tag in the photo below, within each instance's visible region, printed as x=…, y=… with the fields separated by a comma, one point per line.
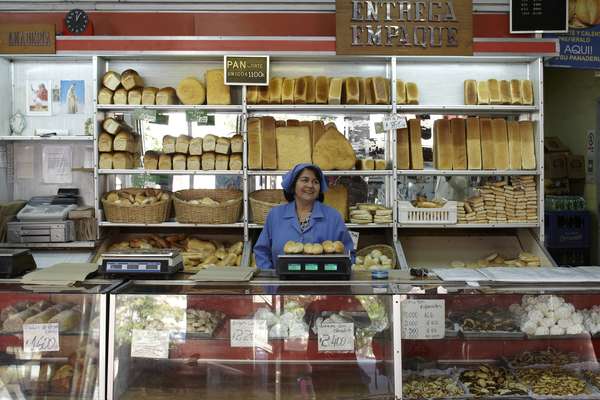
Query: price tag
x=354, y=235
x=423, y=319
x=144, y=114
x=40, y=337
x=336, y=337
x=394, y=121
x=161, y=119
x=248, y=332
x=149, y=344
x=195, y=115
x=207, y=120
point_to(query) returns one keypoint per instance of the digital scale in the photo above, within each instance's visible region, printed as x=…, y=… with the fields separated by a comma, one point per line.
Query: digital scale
x=321, y=267
x=146, y=262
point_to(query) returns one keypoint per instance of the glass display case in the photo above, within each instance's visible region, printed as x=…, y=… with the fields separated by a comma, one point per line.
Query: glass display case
x=52, y=342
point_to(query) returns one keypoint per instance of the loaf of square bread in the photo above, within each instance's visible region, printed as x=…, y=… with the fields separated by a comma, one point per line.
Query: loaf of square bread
x=275, y=86
x=254, y=143
x=459, y=145
x=483, y=92
x=268, y=143
x=287, y=90
x=300, y=90
x=500, y=138
x=322, y=90
x=351, y=91
x=311, y=89
x=416, y=148
x=514, y=145
x=335, y=91
x=527, y=145
x=293, y=146
x=473, y=143
x=442, y=144
x=470, y=88
x=217, y=92
x=487, y=143
x=402, y=148
x=194, y=163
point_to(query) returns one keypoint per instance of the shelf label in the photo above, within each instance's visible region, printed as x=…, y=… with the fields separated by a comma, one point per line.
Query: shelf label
x=195, y=115
x=40, y=337
x=394, y=121
x=336, y=337
x=207, y=120
x=144, y=114
x=149, y=344
x=246, y=70
x=354, y=235
x=248, y=332
x=423, y=319
x=161, y=119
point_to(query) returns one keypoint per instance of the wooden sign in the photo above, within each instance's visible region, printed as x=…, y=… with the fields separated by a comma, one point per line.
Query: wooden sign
x=27, y=39
x=246, y=70
x=422, y=28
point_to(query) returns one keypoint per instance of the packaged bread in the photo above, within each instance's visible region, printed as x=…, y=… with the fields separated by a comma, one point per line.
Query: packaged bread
x=151, y=159
x=300, y=90
x=337, y=197
x=400, y=92
x=322, y=90
x=111, y=80
x=237, y=143
x=105, y=142
x=166, y=96
x=402, y=149
x=483, y=92
x=459, y=145
x=487, y=143
x=473, y=143
x=209, y=143
x=263, y=95
x=131, y=79
x=412, y=93
x=222, y=162
x=335, y=91
x=275, y=86
x=165, y=162
x=134, y=97
x=293, y=146
x=334, y=152
x=124, y=141
x=254, y=143
x=526, y=92
x=182, y=144
x=208, y=161
x=217, y=92
x=194, y=163
x=494, y=90
x=380, y=164
x=105, y=161
x=470, y=88
x=311, y=89
x=252, y=94
x=416, y=147
x=515, y=92
x=179, y=161
x=505, y=92
x=195, y=147
x=120, y=96
x=223, y=145
x=352, y=91
x=67, y=320
x=168, y=144
x=442, y=150
x=268, y=143
x=190, y=91
x=122, y=160
x=366, y=164
x=378, y=84
x=235, y=162
x=500, y=138
x=105, y=96
x=514, y=145
x=149, y=95
x=369, y=95
x=287, y=90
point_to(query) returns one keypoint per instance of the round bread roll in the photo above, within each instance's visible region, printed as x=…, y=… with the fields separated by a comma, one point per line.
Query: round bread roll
x=317, y=248
x=288, y=247
x=308, y=248
x=328, y=247
x=299, y=248
x=339, y=247
x=191, y=91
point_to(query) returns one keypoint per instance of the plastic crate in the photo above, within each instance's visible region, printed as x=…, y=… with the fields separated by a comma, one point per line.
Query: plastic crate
x=571, y=257
x=411, y=215
x=567, y=229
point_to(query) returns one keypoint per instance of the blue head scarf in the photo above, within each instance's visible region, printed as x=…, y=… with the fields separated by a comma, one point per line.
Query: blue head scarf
x=288, y=179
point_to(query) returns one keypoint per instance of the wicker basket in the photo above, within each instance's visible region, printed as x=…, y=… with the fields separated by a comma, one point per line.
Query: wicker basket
x=385, y=249
x=136, y=214
x=261, y=202
x=224, y=213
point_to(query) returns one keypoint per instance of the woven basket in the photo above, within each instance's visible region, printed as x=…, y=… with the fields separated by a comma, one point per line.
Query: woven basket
x=228, y=213
x=261, y=202
x=383, y=248
x=146, y=214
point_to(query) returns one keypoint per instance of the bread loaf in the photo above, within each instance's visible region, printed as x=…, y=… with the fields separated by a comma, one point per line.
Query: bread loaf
x=400, y=92
x=369, y=95
x=483, y=92
x=209, y=143
x=287, y=91
x=134, y=97
x=275, y=86
x=190, y=91
x=151, y=159
x=473, y=144
x=505, y=92
x=335, y=91
x=120, y=96
x=105, y=96
x=254, y=143
x=105, y=161
x=223, y=145
x=337, y=197
x=168, y=144
x=500, y=138
x=322, y=90
x=263, y=95
x=334, y=152
x=194, y=163
x=412, y=93
x=459, y=145
x=124, y=141
x=300, y=90
x=66, y=320
x=515, y=92
x=105, y=142
x=527, y=145
x=131, y=79
x=269, y=143
x=416, y=148
x=402, y=148
x=195, y=147
x=470, y=92
x=182, y=144
x=222, y=162
x=494, y=89
x=514, y=145
x=165, y=162
x=111, y=80
x=112, y=126
x=388, y=90
x=487, y=143
x=362, y=90
x=237, y=144
x=526, y=92
x=166, y=96
x=292, y=122
x=366, y=164
x=293, y=146
x=311, y=89
x=235, y=162
x=380, y=164
x=318, y=130
x=179, y=162
x=208, y=161
x=352, y=90
x=122, y=160
x=379, y=91
x=442, y=144
x=252, y=94
x=217, y=92
x=149, y=95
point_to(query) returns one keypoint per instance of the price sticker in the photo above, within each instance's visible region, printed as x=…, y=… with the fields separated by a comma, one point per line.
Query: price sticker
x=423, y=319
x=336, y=337
x=394, y=121
x=149, y=344
x=248, y=332
x=40, y=337
x=195, y=115
x=354, y=235
x=161, y=119
x=145, y=114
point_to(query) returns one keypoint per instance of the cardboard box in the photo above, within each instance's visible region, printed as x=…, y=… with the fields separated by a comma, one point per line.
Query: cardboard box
x=555, y=165
x=552, y=144
x=576, y=166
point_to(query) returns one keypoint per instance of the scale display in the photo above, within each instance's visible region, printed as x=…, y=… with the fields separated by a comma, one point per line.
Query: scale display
x=149, y=266
x=307, y=267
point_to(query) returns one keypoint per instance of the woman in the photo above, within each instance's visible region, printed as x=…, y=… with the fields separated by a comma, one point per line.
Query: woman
x=304, y=219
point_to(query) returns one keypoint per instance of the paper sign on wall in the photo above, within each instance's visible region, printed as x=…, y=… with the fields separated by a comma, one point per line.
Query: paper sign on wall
x=394, y=121
x=248, y=332
x=336, y=337
x=354, y=235
x=40, y=337
x=423, y=319
x=149, y=344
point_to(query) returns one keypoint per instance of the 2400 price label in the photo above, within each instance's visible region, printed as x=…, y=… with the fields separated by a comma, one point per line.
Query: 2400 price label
x=40, y=337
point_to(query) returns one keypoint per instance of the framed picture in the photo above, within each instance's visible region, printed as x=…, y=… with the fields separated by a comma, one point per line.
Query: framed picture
x=39, y=97
x=72, y=97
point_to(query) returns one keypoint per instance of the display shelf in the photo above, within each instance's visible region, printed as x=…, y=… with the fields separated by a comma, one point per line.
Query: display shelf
x=173, y=224
x=73, y=138
x=328, y=173
x=471, y=226
x=89, y=244
x=464, y=109
x=128, y=107
x=321, y=108
x=349, y=225
x=166, y=172
x=462, y=172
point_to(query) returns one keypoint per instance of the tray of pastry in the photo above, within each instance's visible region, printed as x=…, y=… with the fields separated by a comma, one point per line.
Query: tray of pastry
x=488, y=323
x=493, y=382
x=548, y=356
x=202, y=324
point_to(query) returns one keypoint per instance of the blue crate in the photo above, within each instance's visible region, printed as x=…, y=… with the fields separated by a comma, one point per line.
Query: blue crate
x=571, y=257
x=567, y=229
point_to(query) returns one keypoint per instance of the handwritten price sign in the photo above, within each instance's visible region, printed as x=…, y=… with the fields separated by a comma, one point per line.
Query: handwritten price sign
x=149, y=344
x=423, y=319
x=40, y=337
x=336, y=337
x=248, y=332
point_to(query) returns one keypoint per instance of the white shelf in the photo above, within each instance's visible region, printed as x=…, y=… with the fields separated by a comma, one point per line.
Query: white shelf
x=128, y=107
x=470, y=172
x=173, y=224
x=321, y=108
x=47, y=139
x=348, y=225
x=165, y=172
x=473, y=226
x=464, y=109
x=328, y=173
x=69, y=245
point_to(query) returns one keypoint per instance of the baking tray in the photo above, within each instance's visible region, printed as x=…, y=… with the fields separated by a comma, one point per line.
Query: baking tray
x=476, y=335
x=591, y=391
x=555, y=337
x=451, y=373
x=494, y=397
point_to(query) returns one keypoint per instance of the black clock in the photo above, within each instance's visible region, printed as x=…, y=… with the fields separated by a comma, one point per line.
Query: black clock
x=76, y=21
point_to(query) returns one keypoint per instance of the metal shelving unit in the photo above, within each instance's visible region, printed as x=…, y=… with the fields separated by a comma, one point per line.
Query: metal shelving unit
x=364, y=173
x=173, y=224
x=166, y=172
x=46, y=139
x=455, y=172
x=69, y=245
x=208, y=108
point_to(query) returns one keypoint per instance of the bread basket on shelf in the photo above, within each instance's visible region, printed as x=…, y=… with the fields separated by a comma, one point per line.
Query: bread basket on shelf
x=385, y=249
x=153, y=212
x=261, y=202
x=208, y=206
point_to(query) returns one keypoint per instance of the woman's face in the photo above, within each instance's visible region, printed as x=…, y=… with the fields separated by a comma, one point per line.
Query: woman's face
x=307, y=186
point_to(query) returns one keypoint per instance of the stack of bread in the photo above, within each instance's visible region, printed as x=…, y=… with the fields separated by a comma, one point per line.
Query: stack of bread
x=118, y=145
x=325, y=90
x=375, y=260
x=363, y=213
x=406, y=92
x=128, y=88
x=144, y=197
x=495, y=91
x=327, y=247
x=196, y=153
x=523, y=259
x=483, y=143
x=409, y=150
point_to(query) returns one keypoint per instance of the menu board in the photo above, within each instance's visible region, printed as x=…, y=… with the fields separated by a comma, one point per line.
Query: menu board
x=537, y=16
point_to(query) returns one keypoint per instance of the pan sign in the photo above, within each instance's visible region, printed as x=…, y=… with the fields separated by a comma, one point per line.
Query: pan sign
x=245, y=70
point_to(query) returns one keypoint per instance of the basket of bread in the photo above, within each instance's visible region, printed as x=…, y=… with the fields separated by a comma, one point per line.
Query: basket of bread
x=379, y=256
x=137, y=205
x=422, y=211
x=261, y=202
x=208, y=206
x=327, y=247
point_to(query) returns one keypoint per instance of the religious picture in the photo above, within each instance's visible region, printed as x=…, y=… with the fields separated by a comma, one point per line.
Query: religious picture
x=39, y=97
x=72, y=97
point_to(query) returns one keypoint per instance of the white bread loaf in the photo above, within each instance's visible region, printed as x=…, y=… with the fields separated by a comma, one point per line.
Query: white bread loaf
x=412, y=93
x=149, y=95
x=362, y=91
x=223, y=145
x=105, y=161
x=473, y=143
x=335, y=91
x=380, y=95
x=208, y=161
x=505, y=92
x=166, y=96
x=165, y=162
x=122, y=160
x=311, y=89
x=470, y=88
x=526, y=92
x=120, y=96
x=287, y=90
x=309, y=125
x=190, y=91
x=182, y=144
x=105, y=96
x=322, y=90
x=209, y=143
x=252, y=94
x=113, y=126
x=124, y=141
x=416, y=147
x=268, y=143
x=365, y=164
x=237, y=144
x=131, y=79
x=151, y=159
x=235, y=162
x=337, y=197
x=293, y=146
x=487, y=143
x=168, y=144
x=483, y=92
x=275, y=86
x=300, y=90
x=459, y=143
x=515, y=92
x=179, y=162
x=318, y=130
x=442, y=144
x=500, y=138
x=527, y=144
x=195, y=147
x=217, y=92
x=369, y=95
x=402, y=149
x=105, y=142
x=400, y=92
x=194, y=163
x=222, y=162
x=134, y=97
x=380, y=164
x=111, y=80
x=254, y=144
x=494, y=88
x=352, y=90
x=263, y=95
x=514, y=145
x=334, y=152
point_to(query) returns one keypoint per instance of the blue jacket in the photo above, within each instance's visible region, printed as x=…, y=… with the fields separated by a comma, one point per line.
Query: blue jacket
x=282, y=225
